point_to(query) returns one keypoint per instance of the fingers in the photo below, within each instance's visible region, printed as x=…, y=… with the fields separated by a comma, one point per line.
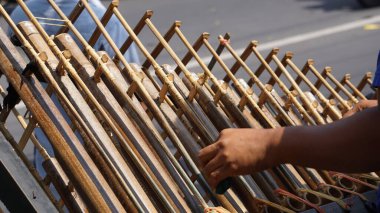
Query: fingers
x=217, y=169
x=217, y=176
x=361, y=105
x=213, y=164
x=368, y=103
x=208, y=153
x=350, y=112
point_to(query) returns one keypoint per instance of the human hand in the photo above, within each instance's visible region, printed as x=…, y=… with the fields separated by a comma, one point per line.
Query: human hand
x=238, y=152
x=361, y=105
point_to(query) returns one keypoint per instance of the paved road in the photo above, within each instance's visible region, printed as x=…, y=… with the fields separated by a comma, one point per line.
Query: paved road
x=351, y=51
x=309, y=28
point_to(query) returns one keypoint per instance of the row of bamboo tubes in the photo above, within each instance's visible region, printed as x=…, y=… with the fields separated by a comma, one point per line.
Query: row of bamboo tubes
x=133, y=132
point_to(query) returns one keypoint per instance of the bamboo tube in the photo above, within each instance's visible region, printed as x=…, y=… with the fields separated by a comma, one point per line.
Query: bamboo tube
x=275, y=104
x=119, y=55
x=287, y=168
x=326, y=103
x=310, y=66
x=251, y=102
x=73, y=200
x=322, y=195
x=178, y=145
x=98, y=175
x=258, y=72
x=268, y=109
x=52, y=62
x=219, y=90
x=87, y=71
x=283, y=104
x=288, y=76
x=294, y=199
x=89, y=121
x=184, y=135
x=242, y=185
x=182, y=103
x=227, y=125
x=249, y=120
x=214, y=123
x=98, y=25
x=309, y=107
x=282, y=86
x=90, y=95
x=324, y=109
x=235, y=111
x=286, y=104
x=288, y=61
x=140, y=113
x=263, y=182
x=165, y=44
x=86, y=187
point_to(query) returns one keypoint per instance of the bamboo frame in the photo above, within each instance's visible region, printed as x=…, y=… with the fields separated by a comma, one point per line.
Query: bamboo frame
x=127, y=116
x=86, y=187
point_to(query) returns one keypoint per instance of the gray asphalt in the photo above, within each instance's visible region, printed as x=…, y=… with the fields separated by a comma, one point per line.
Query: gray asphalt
x=354, y=51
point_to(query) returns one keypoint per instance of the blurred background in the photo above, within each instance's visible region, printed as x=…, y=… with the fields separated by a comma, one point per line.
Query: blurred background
x=291, y=22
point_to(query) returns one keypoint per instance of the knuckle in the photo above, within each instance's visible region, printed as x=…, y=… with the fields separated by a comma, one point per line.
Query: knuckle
x=214, y=175
x=234, y=167
x=224, y=155
x=225, y=131
x=222, y=146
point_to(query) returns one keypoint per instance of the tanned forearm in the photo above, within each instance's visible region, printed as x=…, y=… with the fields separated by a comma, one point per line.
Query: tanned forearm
x=348, y=145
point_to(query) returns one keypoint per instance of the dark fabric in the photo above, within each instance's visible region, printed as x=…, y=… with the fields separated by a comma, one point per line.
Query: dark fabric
x=376, y=80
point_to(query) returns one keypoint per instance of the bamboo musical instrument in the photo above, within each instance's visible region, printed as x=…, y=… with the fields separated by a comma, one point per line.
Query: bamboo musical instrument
x=126, y=137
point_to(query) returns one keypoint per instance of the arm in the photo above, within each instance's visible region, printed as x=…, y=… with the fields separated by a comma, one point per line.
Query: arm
x=348, y=145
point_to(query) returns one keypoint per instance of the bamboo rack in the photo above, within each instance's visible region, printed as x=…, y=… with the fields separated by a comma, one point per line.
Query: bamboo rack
x=126, y=136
